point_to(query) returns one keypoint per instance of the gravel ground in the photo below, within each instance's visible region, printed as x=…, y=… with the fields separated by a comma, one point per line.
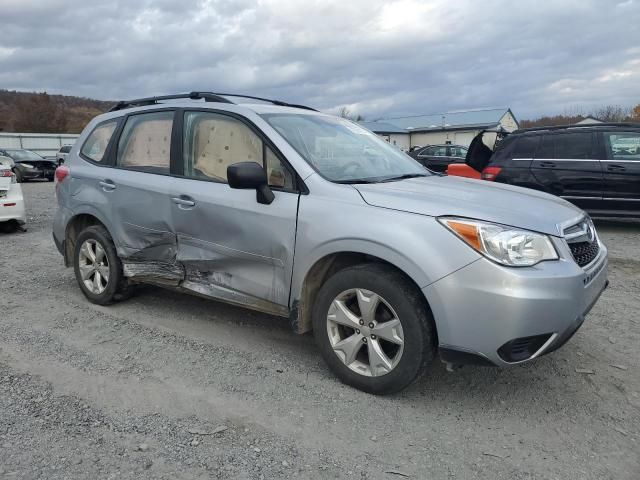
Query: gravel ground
x=172, y=386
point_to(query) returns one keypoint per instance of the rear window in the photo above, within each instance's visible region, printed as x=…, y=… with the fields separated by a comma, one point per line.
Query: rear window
x=95, y=146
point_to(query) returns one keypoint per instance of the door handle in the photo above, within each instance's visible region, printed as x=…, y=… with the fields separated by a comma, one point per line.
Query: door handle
x=547, y=165
x=107, y=185
x=616, y=168
x=183, y=201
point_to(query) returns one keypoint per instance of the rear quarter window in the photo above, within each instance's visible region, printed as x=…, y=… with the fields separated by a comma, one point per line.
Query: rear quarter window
x=96, y=144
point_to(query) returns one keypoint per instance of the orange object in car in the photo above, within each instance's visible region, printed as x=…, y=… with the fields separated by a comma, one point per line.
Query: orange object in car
x=462, y=170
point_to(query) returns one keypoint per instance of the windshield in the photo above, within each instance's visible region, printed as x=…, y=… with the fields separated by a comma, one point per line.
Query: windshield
x=342, y=151
x=19, y=155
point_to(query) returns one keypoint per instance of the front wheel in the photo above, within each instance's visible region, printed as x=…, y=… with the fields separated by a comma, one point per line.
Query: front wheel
x=374, y=328
x=97, y=267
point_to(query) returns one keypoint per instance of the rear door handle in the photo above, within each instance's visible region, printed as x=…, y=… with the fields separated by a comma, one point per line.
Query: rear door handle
x=107, y=185
x=183, y=201
x=547, y=165
x=616, y=168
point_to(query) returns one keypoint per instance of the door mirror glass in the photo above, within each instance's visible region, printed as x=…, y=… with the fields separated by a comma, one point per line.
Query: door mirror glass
x=250, y=175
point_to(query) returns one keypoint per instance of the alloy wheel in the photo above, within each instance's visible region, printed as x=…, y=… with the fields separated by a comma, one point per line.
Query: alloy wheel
x=365, y=332
x=94, y=266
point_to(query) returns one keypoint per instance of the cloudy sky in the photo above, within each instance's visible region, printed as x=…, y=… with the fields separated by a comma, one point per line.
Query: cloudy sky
x=377, y=57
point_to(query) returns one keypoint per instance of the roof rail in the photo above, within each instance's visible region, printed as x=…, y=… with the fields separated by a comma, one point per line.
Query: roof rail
x=575, y=125
x=274, y=102
x=207, y=96
x=140, y=102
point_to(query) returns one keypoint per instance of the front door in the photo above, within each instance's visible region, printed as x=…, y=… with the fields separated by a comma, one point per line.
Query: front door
x=566, y=165
x=621, y=169
x=233, y=247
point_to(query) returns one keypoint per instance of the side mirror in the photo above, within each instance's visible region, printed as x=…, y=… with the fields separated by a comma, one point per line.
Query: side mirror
x=250, y=175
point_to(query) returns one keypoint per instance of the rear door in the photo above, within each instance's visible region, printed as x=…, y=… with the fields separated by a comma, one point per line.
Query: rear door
x=233, y=247
x=566, y=165
x=138, y=188
x=621, y=169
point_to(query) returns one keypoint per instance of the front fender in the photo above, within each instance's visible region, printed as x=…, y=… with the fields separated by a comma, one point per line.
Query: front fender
x=416, y=244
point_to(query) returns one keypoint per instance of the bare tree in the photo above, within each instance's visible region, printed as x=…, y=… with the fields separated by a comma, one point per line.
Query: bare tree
x=612, y=113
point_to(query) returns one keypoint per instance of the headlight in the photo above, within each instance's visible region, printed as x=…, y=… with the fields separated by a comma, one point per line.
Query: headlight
x=506, y=245
x=25, y=165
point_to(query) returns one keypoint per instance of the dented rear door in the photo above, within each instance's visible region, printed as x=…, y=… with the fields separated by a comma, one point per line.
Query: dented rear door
x=231, y=246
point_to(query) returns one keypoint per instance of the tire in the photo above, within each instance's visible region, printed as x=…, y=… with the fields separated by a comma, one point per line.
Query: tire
x=19, y=178
x=115, y=287
x=400, y=302
x=49, y=179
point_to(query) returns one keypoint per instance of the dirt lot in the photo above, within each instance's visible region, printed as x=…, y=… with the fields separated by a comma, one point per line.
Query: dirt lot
x=172, y=386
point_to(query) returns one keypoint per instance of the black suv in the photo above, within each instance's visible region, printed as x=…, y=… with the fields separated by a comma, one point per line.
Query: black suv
x=596, y=167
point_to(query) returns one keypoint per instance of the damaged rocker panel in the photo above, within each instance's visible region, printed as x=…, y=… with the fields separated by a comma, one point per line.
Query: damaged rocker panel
x=206, y=284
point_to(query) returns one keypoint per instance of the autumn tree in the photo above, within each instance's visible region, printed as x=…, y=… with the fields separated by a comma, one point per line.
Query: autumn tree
x=39, y=114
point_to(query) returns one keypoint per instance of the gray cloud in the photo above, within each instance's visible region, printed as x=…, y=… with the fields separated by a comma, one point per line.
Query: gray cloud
x=377, y=57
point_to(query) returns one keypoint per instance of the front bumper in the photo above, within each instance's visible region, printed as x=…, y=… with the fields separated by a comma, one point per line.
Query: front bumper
x=482, y=307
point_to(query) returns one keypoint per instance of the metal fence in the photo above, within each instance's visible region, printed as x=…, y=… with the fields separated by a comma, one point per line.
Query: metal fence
x=43, y=143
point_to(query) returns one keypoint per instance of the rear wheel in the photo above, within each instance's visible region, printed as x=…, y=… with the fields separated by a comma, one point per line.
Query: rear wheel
x=97, y=267
x=374, y=328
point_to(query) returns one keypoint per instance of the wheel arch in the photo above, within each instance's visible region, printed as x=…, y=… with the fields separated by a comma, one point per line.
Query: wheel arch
x=304, y=293
x=75, y=225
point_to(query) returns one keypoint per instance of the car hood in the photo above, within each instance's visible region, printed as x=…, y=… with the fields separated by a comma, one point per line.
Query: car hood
x=456, y=196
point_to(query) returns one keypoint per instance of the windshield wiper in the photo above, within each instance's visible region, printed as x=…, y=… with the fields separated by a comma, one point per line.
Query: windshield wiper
x=356, y=180
x=402, y=177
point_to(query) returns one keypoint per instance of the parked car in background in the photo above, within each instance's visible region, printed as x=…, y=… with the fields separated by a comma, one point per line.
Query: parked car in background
x=61, y=155
x=286, y=210
x=596, y=167
x=439, y=157
x=29, y=165
x=11, y=200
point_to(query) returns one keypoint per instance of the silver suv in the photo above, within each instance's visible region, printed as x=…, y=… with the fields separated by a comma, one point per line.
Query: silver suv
x=285, y=210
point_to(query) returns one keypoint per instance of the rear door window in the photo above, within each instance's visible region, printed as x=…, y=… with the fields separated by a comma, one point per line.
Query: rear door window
x=145, y=142
x=96, y=144
x=525, y=147
x=459, y=152
x=572, y=146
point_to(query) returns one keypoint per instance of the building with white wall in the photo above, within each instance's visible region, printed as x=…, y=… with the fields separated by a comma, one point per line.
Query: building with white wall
x=457, y=127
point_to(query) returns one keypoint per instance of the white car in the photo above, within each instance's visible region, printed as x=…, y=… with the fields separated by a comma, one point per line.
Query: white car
x=63, y=153
x=11, y=199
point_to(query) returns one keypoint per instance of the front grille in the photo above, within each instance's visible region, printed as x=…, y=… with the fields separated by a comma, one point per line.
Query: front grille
x=582, y=241
x=584, y=252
